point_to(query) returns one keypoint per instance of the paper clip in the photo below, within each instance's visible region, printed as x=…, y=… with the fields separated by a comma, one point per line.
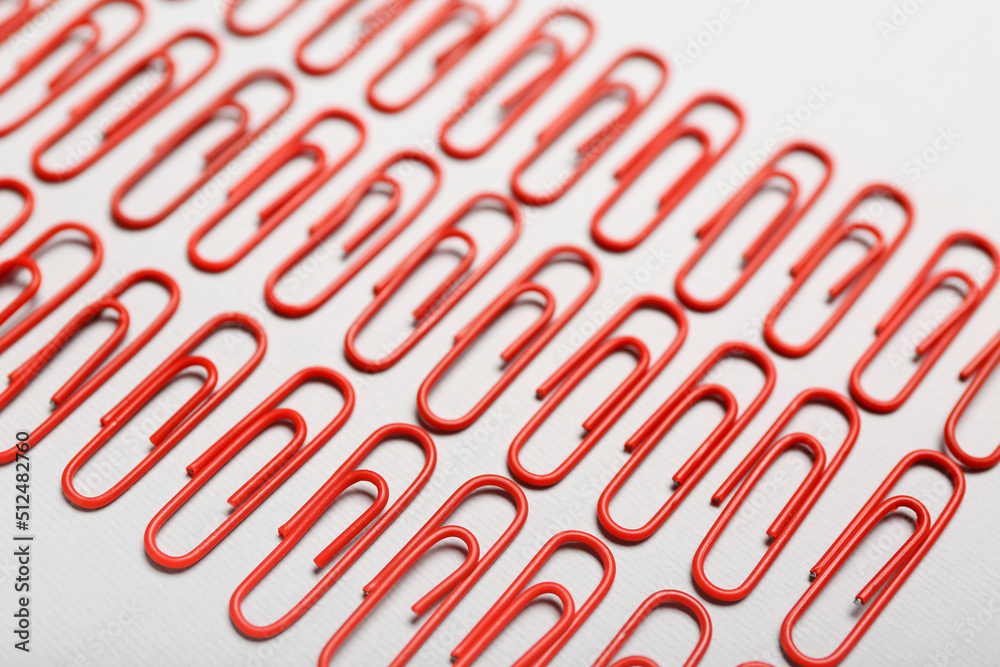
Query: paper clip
x=849, y=288
x=188, y=416
x=94, y=372
x=447, y=294
x=113, y=132
x=268, y=480
x=663, y=598
x=561, y=384
x=25, y=260
x=783, y=222
x=677, y=129
x=17, y=18
x=297, y=146
x=933, y=346
x=590, y=151
x=376, y=519
x=377, y=181
x=516, y=598
x=890, y=578
x=755, y=466
x=224, y=107
x=370, y=25
x=538, y=39
x=525, y=347
x=27, y=206
x=689, y=394
x=448, y=13
x=85, y=29
x=239, y=27
x=979, y=369
x=453, y=589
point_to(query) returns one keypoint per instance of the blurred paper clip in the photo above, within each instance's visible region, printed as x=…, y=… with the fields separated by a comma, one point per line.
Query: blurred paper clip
x=27, y=197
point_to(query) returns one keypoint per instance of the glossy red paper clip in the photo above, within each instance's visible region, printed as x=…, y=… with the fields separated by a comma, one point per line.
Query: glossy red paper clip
x=676, y=130
x=893, y=575
x=797, y=204
x=375, y=519
x=370, y=26
x=238, y=27
x=853, y=284
x=663, y=598
x=590, y=151
x=930, y=349
x=25, y=12
x=979, y=369
x=447, y=595
x=112, y=132
x=269, y=479
x=540, y=39
x=525, y=347
x=89, y=55
x=518, y=596
x=377, y=181
x=562, y=383
x=449, y=13
x=297, y=146
x=27, y=198
x=447, y=294
x=101, y=366
x=224, y=107
x=760, y=459
x=689, y=394
x=190, y=414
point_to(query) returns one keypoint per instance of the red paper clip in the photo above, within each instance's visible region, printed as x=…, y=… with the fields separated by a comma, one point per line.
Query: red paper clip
x=663, y=598
x=94, y=372
x=376, y=519
x=783, y=222
x=113, y=132
x=453, y=589
x=890, y=578
x=269, y=479
x=370, y=25
x=238, y=27
x=375, y=182
x=525, y=347
x=849, y=288
x=189, y=415
x=539, y=39
x=516, y=598
x=17, y=18
x=934, y=344
x=689, y=394
x=89, y=55
x=27, y=206
x=447, y=294
x=298, y=146
x=225, y=107
x=979, y=369
x=600, y=346
x=676, y=129
x=755, y=466
x=590, y=151
x=449, y=13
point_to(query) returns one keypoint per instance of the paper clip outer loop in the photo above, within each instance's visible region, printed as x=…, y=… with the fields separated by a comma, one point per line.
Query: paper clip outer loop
x=455, y=587
x=193, y=412
x=238, y=27
x=376, y=519
x=446, y=295
x=216, y=158
x=934, y=345
x=519, y=595
x=337, y=216
x=979, y=369
x=26, y=11
x=27, y=206
x=515, y=105
x=662, y=598
x=768, y=240
x=561, y=384
x=278, y=210
x=676, y=129
x=771, y=447
x=893, y=575
x=162, y=95
x=524, y=349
